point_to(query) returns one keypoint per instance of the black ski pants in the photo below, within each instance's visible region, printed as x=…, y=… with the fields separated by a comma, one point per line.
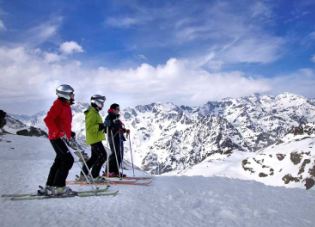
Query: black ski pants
x=63, y=162
x=116, y=145
x=98, y=158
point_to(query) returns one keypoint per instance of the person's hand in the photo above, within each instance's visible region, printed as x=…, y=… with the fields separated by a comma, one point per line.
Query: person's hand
x=101, y=127
x=73, y=134
x=127, y=131
x=73, y=143
x=64, y=138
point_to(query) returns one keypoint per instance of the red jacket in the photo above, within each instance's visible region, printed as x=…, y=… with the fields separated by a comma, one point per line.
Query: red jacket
x=58, y=120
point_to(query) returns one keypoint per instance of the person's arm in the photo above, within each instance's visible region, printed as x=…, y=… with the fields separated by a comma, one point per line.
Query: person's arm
x=107, y=122
x=68, y=122
x=91, y=123
x=49, y=120
x=123, y=128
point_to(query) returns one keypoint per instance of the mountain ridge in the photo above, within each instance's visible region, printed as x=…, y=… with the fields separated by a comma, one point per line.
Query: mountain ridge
x=167, y=137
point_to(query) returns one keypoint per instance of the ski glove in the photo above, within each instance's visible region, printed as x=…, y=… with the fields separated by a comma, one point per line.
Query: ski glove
x=101, y=127
x=73, y=144
x=73, y=134
x=70, y=142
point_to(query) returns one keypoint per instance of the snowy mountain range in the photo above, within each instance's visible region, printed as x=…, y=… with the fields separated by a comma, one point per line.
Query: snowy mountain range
x=11, y=125
x=167, y=138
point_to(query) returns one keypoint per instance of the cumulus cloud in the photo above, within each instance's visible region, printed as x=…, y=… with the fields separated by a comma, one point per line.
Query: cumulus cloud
x=301, y=82
x=26, y=75
x=51, y=57
x=70, y=47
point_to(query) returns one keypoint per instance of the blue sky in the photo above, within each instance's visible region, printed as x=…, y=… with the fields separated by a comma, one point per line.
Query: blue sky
x=137, y=52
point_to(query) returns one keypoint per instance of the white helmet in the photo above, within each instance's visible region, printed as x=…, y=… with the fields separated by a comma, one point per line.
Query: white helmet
x=64, y=91
x=98, y=100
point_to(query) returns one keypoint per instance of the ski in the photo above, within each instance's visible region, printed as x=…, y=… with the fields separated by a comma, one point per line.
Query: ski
x=137, y=178
x=79, y=194
x=139, y=183
x=129, y=178
x=36, y=194
x=115, y=182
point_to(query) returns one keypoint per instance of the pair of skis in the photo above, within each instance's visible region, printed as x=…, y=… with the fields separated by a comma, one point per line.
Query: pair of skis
x=86, y=193
x=140, y=181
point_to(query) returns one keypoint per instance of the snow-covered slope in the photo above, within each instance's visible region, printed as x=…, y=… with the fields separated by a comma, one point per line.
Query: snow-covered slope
x=289, y=162
x=169, y=201
x=167, y=137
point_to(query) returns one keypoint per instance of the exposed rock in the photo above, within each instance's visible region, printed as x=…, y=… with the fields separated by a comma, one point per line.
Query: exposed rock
x=32, y=132
x=244, y=163
x=262, y=175
x=302, y=168
x=312, y=171
x=2, y=118
x=309, y=183
x=289, y=178
x=295, y=158
x=280, y=157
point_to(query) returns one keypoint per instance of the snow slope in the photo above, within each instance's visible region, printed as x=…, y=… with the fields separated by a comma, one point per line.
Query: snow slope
x=290, y=162
x=169, y=201
x=168, y=137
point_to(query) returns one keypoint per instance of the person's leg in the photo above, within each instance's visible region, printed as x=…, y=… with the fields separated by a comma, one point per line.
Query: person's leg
x=112, y=158
x=54, y=167
x=65, y=162
x=101, y=158
x=118, y=149
x=90, y=162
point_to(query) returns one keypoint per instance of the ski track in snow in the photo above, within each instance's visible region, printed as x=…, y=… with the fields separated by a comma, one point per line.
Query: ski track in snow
x=169, y=201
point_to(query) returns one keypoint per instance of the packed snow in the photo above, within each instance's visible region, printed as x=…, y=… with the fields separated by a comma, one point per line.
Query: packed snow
x=168, y=201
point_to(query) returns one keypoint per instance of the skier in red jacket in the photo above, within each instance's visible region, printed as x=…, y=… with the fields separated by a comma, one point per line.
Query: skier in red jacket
x=58, y=122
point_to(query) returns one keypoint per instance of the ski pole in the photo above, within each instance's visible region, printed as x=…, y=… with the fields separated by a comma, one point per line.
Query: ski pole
x=91, y=180
x=121, y=145
x=131, y=156
x=94, y=187
x=107, y=163
x=113, y=144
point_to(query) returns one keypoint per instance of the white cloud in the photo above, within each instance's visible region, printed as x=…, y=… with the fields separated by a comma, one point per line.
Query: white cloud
x=254, y=50
x=2, y=26
x=232, y=37
x=28, y=76
x=41, y=33
x=300, y=82
x=70, y=47
x=52, y=57
x=260, y=9
x=313, y=58
x=121, y=22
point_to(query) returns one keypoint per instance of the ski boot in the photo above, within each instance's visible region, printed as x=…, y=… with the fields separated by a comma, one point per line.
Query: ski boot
x=64, y=191
x=47, y=190
x=100, y=180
